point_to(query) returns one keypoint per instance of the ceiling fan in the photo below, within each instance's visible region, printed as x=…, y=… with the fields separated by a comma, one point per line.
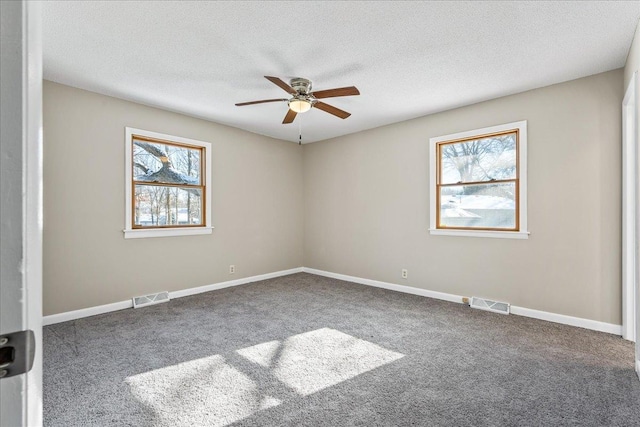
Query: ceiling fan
x=303, y=99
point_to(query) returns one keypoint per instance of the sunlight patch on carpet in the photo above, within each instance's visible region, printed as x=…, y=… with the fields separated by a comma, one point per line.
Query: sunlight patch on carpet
x=262, y=354
x=202, y=389
x=211, y=391
x=315, y=360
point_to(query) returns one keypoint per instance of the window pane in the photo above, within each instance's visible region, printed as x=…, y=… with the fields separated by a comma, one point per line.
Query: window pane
x=478, y=206
x=479, y=160
x=157, y=206
x=170, y=164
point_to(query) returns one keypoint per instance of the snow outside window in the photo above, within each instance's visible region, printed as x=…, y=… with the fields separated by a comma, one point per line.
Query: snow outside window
x=479, y=182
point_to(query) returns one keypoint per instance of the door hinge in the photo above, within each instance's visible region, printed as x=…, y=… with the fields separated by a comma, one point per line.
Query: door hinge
x=17, y=350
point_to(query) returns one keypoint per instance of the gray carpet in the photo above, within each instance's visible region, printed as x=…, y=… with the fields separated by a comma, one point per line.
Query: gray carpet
x=304, y=350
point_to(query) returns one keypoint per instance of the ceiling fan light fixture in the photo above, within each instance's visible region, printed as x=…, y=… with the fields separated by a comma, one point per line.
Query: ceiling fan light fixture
x=299, y=105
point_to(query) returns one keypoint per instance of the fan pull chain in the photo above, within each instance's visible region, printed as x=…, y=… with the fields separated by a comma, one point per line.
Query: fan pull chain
x=300, y=131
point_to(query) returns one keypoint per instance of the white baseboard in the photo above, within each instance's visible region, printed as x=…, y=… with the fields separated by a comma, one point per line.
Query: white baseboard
x=121, y=305
x=387, y=285
x=85, y=312
x=222, y=285
x=519, y=311
x=638, y=368
x=595, y=325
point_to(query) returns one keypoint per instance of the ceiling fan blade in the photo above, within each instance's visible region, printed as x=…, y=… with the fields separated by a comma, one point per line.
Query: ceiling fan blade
x=291, y=115
x=260, y=102
x=332, y=93
x=331, y=110
x=282, y=84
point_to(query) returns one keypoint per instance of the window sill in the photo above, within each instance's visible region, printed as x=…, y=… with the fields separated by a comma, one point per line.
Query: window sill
x=481, y=233
x=166, y=232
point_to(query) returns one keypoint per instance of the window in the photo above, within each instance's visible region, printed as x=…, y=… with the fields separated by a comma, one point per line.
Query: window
x=167, y=185
x=478, y=182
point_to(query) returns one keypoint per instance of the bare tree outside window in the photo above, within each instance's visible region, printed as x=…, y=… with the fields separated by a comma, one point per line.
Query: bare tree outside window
x=168, y=187
x=477, y=185
x=486, y=159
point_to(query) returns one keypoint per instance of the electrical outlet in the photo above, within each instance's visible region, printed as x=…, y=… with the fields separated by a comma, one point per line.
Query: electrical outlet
x=405, y=273
x=232, y=269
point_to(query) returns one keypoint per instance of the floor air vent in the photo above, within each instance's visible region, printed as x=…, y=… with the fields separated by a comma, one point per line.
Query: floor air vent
x=487, y=304
x=151, y=299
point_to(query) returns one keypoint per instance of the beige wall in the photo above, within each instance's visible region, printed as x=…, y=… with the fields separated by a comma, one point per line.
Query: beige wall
x=356, y=205
x=367, y=204
x=256, y=195
x=633, y=59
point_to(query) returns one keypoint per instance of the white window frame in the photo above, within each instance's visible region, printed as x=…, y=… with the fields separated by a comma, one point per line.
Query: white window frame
x=523, y=233
x=129, y=231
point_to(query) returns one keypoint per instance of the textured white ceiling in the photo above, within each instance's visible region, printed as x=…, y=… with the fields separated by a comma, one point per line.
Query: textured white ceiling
x=407, y=59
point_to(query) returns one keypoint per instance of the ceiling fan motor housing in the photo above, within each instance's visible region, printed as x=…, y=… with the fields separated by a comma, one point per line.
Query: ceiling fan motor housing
x=302, y=86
